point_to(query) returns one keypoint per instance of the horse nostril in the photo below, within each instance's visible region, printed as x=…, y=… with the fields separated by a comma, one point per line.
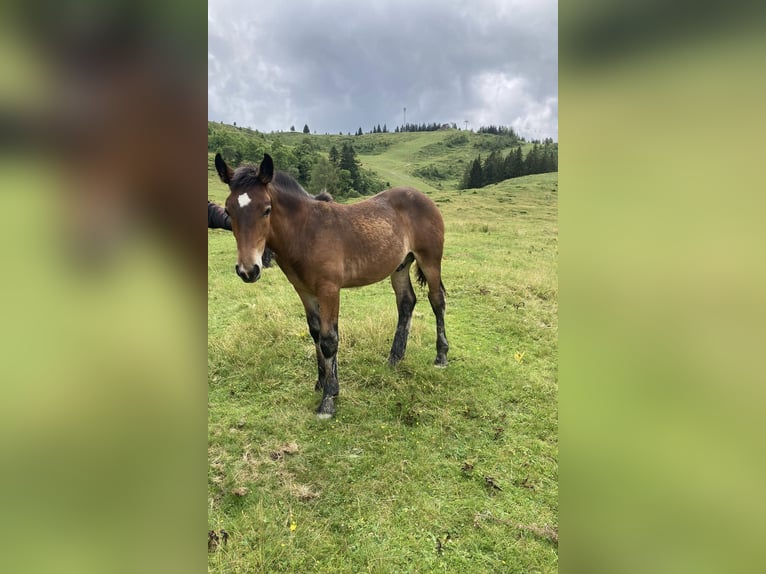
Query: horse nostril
x=242, y=274
x=248, y=276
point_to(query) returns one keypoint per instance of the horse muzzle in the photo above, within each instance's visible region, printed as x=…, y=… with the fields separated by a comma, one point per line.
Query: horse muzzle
x=250, y=276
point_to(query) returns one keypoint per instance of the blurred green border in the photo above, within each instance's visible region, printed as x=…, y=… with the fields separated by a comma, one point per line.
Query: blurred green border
x=662, y=283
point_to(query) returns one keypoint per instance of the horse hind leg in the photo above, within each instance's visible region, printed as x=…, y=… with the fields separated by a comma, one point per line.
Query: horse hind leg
x=431, y=274
x=405, y=303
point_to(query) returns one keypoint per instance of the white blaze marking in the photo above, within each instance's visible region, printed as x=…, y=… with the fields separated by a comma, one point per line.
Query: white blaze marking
x=243, y=200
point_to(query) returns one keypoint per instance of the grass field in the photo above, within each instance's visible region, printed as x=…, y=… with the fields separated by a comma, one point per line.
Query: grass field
x=398, y=480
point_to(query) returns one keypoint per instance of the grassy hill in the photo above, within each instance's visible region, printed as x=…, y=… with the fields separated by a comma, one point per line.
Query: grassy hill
x=397, y=481
x=426, y=160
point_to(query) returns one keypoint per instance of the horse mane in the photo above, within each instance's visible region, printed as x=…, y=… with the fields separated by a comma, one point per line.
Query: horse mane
x=286, y=183
x=247, y=176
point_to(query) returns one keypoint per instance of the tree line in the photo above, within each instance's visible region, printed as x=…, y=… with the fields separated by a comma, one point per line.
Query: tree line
x=431, y=127
x=341, y=174
x=498, y=131
x=541, y=158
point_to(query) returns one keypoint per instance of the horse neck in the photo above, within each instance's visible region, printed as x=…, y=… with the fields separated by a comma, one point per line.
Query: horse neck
x=288, y=217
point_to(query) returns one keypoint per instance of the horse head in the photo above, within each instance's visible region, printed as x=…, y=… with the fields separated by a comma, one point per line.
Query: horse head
x=249, y=206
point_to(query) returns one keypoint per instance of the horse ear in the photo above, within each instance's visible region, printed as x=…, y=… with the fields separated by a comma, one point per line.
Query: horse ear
x=266, y=171
x=224, y=171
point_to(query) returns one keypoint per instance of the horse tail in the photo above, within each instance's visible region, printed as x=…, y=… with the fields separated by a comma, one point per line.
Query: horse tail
x=421, y=278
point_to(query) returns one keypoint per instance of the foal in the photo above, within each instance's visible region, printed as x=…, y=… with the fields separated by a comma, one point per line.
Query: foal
x=323, y=246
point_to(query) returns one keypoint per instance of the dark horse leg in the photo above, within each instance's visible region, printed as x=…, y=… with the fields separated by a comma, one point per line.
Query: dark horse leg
x=405, y=303
x=312, y=316
x=322, y=317
x=437, y=297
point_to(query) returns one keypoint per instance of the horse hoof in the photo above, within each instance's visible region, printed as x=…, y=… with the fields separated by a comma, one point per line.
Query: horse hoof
x=440, y=363
x=326, y=409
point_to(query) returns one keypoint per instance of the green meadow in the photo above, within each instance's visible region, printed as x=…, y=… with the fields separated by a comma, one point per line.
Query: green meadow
x=422, y=469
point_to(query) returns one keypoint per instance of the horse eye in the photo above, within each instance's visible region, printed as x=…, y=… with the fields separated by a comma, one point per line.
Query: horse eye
x=268, y=210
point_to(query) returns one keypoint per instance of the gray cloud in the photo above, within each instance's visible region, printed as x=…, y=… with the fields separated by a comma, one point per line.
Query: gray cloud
x=339, y=65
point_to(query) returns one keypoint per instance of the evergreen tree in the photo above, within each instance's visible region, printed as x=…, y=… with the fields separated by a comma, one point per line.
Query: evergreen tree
x=385, y=129
x=532, y=161
x=473, y=177
x=549, y=157
x=334, y=156
x=493, y=168
x=306, y=129
x=292, y=128
x=513, y=166
x=349, y=163
x=519, y=162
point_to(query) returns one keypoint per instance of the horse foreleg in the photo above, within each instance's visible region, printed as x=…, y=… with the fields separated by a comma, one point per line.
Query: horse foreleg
x=314, y=320
x=312, y=316
x=328, y=347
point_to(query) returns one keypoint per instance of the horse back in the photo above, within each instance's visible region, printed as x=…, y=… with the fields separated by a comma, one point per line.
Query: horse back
x=420, y=216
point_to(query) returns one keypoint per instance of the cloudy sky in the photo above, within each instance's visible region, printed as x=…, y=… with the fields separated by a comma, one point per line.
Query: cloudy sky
x=338, y=65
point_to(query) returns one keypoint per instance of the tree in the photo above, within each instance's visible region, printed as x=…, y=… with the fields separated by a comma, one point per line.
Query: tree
x=473, y=177
x=325, y=176
x=305, y=156
x=493, y=168
x=344, y=183
x=284, y=158
x=231, y=154
x=253, y=150
x=533, y=161
x=513, y=166
x=349, y=163
x=306, y=129
x=550, y=160
x=292, y=128
x=334, y=156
